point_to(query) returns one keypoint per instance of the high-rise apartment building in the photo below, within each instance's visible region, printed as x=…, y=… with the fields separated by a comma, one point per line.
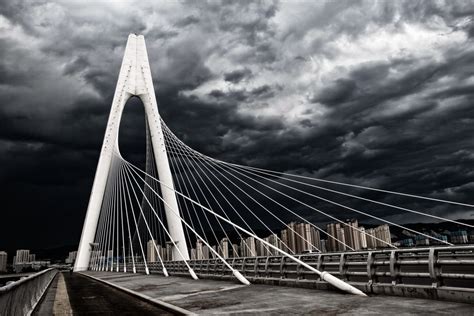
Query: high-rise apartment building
x=261, y=248
x=224, y=248
x=205, y=252
x=3, y=261
x=370, y=238
x=356, y=237
x=284, y=240
x=352, y=234
x=22, y=256
x=299, y=238
x=168, y=252
x=274, y=241
x=235, y=250
x=378, y=237
x=151, y=254
x=313, y=238
x=291, y=236
x=382, y=232
x=199, y=254
x=363, y=238
x=307, y=238
x=341, y=238
x=324, y=244
x=332, y=244
x=248, y=247
x=202, y=251
x=72, y=257
x=193, y=254
x=459, y=237
x=213, y=253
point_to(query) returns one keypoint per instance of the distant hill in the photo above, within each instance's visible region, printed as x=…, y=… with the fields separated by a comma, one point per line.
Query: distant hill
x=54, y=254
x=440, y=228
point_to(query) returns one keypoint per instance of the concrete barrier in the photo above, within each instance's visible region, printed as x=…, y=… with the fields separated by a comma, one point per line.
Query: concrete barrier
x=20, y=297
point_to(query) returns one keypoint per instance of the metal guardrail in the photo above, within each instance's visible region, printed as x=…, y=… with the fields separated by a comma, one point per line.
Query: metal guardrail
x=20, y=297
x=436, y=272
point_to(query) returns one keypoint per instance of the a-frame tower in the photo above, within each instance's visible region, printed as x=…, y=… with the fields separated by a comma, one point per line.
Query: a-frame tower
x=134, y=80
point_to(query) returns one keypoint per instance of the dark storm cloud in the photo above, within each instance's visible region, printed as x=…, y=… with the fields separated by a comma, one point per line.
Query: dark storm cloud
x=189, y=20
x=244, y=96
x=340, y=91
x=369, y=93
x=237, y=75
x=10, y=76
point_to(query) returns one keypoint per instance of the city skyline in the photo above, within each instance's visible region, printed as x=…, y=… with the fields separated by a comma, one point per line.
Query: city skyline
x=293, y=238
x=404, y=239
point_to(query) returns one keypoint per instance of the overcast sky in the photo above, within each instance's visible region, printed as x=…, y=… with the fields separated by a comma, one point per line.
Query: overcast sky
x=376, y=93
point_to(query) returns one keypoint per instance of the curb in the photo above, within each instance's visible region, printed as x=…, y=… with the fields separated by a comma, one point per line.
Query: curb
x=166, y=306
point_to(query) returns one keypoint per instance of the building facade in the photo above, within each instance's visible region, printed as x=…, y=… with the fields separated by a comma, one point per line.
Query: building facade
x=22, y=256
x=3, y=261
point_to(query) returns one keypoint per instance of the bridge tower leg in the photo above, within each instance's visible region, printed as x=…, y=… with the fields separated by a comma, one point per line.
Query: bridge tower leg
x=134, y=80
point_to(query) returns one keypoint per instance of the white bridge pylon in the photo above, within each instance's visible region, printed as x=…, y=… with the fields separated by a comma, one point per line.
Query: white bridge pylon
x=134, y=80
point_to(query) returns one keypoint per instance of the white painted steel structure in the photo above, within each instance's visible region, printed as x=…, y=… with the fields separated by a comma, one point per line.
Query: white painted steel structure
x=134, y=80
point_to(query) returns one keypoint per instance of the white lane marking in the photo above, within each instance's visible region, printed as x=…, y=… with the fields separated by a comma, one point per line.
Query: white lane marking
x=180, y=296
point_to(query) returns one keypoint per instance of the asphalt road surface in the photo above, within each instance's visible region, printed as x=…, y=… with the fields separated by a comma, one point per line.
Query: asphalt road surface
x=88, y=297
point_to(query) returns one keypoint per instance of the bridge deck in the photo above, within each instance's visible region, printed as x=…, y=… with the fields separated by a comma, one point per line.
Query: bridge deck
x=75, y=294
x=211, y=296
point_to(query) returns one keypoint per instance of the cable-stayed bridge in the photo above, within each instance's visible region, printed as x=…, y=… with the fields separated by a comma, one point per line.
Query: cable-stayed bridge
x=183, y=202
x=185, y=214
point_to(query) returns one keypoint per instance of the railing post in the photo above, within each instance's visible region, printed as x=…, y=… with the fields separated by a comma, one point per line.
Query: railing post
x=342, y=267
x=244, y=267
x=255, y=267
x=320, y=264
x=371, y=268
x=217, y=262
x=434, y=268
x=298, y=269
x=282, y=267
x=267, y=261
x=196, y=266
x=233, y=262
x=394, y=267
